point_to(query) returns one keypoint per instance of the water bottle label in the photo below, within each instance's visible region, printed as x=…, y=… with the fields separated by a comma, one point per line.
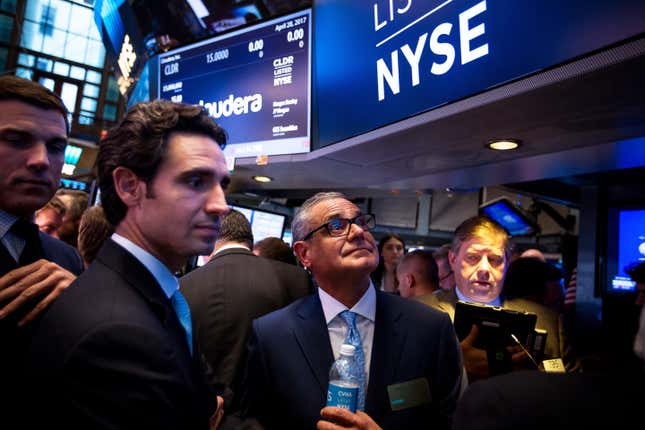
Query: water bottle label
x=342, y=397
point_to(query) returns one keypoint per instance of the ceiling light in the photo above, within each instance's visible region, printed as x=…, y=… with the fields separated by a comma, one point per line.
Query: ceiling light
x=503, y=144
x=262, y=179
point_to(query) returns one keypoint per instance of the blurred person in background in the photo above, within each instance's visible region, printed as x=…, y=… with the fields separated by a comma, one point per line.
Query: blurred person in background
x=276, y=249
x=49, y=218
x=75, y=204
x=417, y=275
x=390, y=248
x=446, y=275
x=231, y=290
x=93, y=231
x=533, y=285
x=533, y=253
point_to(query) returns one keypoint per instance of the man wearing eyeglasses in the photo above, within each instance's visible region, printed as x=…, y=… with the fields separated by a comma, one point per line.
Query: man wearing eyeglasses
x=446, y=275
x=409, y=352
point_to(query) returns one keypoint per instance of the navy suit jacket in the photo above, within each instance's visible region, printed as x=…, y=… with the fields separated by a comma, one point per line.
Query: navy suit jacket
x=111, y=353
x=15, y=339
x=290, y=356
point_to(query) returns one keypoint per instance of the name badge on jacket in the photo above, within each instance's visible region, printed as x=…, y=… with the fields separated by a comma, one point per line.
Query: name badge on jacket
x=409, y=394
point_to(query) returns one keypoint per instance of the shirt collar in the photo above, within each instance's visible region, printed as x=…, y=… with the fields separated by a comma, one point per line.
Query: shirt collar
x=231, y=246
x=496, y=302
x=366, y=306
x=6, y=221
x=166, y=279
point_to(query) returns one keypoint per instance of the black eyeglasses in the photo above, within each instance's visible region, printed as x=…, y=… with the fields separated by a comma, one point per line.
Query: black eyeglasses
x=341, y=226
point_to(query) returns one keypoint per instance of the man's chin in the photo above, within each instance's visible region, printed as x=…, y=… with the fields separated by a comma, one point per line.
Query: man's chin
x=27, y=205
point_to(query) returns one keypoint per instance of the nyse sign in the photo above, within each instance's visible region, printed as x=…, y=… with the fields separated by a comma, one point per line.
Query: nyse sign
x=386, y=60
x=390, y=71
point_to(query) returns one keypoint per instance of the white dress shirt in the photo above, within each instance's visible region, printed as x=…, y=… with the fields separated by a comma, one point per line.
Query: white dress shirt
x=496, y=302
x=365, y=311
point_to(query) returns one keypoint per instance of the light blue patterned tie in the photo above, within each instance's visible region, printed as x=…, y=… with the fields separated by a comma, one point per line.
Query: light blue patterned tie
x=354, y=338
x=183, y=313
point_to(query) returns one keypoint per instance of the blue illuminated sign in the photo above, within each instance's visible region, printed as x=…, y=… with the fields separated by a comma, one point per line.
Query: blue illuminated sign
x=381, y=61
x=255, y=82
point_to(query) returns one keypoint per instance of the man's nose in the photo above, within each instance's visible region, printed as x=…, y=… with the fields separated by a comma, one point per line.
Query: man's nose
x=484, y=268
x=216, y=201
x=38, y=157
x=355, y=231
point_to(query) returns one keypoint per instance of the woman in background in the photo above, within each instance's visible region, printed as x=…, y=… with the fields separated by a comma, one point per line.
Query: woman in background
x=390, y=248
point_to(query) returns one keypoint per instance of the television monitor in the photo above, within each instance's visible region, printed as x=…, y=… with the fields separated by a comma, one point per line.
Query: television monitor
x=625, y=246
x=510, y=217
x=263, y=223
x=255, y=82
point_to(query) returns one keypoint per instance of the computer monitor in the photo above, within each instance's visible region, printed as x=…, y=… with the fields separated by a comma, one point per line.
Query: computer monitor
x=255, y=82
x=625, y=246
x=509, y=216
x=263, y=223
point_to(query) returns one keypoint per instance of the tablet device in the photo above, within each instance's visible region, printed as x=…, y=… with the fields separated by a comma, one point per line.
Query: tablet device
x=496, y=325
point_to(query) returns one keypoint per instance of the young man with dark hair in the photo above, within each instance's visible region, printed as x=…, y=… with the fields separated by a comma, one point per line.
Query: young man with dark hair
x=124, y=355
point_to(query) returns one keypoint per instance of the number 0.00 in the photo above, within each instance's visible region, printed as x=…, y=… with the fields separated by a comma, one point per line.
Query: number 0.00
x=296, y=34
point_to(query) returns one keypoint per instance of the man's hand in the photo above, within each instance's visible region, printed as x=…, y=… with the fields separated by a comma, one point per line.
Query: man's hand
x=475, y=359
x=22, y=286
x=339, y=418
x=216, y=418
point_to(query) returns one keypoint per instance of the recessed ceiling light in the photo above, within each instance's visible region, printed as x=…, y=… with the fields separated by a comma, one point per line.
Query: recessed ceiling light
x=263, y=179
x=503, y=144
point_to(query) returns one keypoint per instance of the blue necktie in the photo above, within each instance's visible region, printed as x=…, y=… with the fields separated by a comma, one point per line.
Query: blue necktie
x=183, y=313
x=354, y=338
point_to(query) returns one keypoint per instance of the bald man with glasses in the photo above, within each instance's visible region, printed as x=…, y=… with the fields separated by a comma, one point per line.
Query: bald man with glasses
x=408, y=351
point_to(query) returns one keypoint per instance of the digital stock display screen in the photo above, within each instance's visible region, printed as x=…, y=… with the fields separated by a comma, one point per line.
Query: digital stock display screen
x=255, y=82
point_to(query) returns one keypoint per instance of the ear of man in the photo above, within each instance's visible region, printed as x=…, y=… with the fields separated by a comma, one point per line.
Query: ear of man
x=301, y=249
x=410, y=279
x=129, y=187
x=452, y=258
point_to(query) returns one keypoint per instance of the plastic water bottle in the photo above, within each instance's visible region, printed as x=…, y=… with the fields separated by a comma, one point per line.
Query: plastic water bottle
x=344, y=380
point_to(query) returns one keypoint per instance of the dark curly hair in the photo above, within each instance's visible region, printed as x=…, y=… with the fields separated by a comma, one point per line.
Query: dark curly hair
x=140, y=143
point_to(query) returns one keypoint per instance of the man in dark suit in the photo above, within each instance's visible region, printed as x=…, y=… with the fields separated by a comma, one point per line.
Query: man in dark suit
x=34, y=267
x=479, y=257
x=233, y=289
x=535, y=400
x=409, y=351
x=123, y=355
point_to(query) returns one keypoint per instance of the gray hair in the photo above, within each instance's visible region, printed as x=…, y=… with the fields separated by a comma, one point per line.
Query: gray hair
x=301, y=223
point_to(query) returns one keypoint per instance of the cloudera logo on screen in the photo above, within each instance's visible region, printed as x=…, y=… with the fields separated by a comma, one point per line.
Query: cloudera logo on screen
x=233, y=105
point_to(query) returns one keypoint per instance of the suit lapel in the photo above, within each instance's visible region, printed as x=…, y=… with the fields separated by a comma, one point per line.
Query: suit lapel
x=132, y=271
x=387, y=346
x=313, y=338
x=7, y=263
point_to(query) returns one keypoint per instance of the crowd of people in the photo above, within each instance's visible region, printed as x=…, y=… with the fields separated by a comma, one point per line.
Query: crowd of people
x=99, y=332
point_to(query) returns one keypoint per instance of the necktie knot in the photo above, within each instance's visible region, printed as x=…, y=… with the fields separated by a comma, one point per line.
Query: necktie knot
x=182, y=310
x=349, y=317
